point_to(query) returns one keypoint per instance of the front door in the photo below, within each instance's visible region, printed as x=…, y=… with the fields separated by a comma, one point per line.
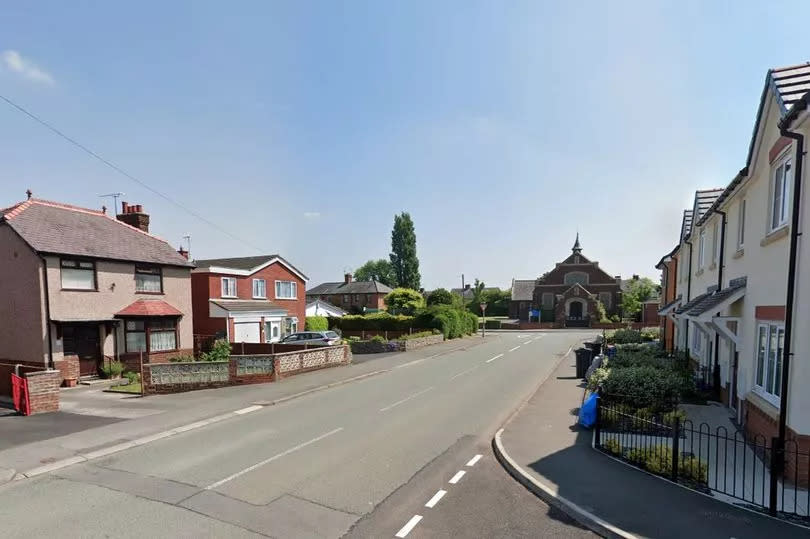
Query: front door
x=84, y=341
x=575, y=310
x=272, y=331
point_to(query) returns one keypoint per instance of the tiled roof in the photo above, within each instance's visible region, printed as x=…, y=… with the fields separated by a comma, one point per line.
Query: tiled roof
x=62, y=229
x=791, y=84
x=703, y=201
x=325, y=305
x=691, y=303
x=666, y=307
x=247, y=305
x=244, y=263
x=354, y=287
x=523, y=290
x=686, y=224
x=713, y=300
x=149, y=307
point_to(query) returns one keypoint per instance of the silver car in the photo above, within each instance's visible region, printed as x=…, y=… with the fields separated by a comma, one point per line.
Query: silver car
x=327, y=338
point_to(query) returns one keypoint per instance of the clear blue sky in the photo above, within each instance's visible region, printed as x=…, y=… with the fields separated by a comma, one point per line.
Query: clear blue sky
x=302, y=127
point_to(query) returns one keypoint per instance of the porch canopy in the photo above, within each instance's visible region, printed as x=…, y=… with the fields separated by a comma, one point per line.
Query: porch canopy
x=670, y=307
x=148, y=307
x=225, y=308
x=704, y=312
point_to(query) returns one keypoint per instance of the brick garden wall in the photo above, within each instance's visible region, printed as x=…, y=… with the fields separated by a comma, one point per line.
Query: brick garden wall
x=68, y=367
x=43, y=391
x=8, y=368
x=372, y=347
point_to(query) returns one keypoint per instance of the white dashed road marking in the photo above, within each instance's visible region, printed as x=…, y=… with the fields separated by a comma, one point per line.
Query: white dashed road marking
x=462, y=373
x=473, y=460
x=515, y=348
x=248, y=409
x=406, y=399
x=435, y=499
x=406, y=529
x=494, y=358
x=456, y=478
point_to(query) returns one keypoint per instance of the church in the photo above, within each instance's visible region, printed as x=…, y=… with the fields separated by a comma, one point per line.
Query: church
x=567, y=295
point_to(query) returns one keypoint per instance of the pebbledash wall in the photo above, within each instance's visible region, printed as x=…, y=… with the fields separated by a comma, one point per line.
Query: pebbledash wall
x=254, y=369
x=373, y=347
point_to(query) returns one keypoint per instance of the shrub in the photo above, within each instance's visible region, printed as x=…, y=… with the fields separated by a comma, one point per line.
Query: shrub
x=650, y=334
x=612, y=446
x=317, y=323
x=420, y=334
x=601, y=313
x=658, y=460
x=221, y=351
x=442, y=296
x=669, y=417
x=378, y=338
x=132, y=377
x=624, y=336
x=375, y=321
x=112, y=369
x=404, y=301
x=646, y=386
x=598, y=377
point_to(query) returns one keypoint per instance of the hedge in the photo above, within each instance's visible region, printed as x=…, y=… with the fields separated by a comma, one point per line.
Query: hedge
x=317, y=323
x=453, y=323
x=376, y=321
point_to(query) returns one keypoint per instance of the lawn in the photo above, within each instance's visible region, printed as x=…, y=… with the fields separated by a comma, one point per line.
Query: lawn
x=129, y=388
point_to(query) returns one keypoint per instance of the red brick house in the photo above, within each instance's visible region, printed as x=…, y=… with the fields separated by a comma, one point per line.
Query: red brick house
x=248, y=299
x=568, y=294
x=352, y=296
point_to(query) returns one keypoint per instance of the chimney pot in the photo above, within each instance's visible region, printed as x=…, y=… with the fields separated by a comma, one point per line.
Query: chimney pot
x=347, y=278
x=124, y=207
x=182, y=252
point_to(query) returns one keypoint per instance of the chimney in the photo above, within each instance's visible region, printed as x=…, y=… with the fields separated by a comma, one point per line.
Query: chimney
x=347, y=278
x=467, y=286
x=635, y=277
x=182, y=252
x=133, y=215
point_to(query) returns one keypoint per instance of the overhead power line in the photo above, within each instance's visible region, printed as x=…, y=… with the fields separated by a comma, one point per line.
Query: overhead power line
x=127, y=174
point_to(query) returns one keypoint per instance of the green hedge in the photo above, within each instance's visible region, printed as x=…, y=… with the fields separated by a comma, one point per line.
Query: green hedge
x=451, y=322
x=376, y=321
x=317, y=323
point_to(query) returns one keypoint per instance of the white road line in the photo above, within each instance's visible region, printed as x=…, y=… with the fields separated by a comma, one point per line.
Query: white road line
x=515, y=348
x=435, y=499
x=527, y=342
x=462, y=373
x=271, y=459
x=494, y=358
x=406, y=529
x=456, y=478
x=473, y=460
x=406, y=399
x=248, y=409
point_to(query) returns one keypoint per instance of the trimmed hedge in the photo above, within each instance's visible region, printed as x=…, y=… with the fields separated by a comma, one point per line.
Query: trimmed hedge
x=451, y=322
x=317, y=323
x=377, y=321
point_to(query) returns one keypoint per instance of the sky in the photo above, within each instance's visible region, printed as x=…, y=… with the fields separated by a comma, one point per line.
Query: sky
x=302, y=128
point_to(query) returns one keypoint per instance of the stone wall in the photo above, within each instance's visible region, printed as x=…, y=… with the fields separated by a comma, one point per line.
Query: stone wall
x=374, y=347
x=43, y=391
x=413, y=344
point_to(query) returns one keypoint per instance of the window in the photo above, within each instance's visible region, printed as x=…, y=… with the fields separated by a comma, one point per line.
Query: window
x=697, y=341
x=576, y=277
x=290, y=325
x=715, y=243
x=154, y=334
x=286, y=290
x=78, y=274
x=148, y=279
x=228, y=287
x=770, y=347
x=259, y=288
x=741, y=226
x=548, y=300
x=702, y=249
x=605, y=298
x=780, y=193
x=347, y=299
x=357, y=298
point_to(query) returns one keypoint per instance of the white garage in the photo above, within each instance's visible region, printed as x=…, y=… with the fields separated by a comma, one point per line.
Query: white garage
x=246, y=332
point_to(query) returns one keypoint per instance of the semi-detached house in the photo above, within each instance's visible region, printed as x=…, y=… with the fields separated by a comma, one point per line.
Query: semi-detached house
x=743, y=302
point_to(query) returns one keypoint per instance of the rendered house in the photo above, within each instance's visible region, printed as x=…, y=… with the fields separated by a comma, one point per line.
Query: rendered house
x=323, y=308
x=78, y=287
x=250, y=299
x=351, y=296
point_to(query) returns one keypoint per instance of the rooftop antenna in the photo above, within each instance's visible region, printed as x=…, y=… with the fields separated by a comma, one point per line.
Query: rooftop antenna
x=115, y=197
x=187, y=237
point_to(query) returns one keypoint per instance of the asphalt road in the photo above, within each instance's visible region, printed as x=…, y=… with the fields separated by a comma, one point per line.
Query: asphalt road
x=362, y=458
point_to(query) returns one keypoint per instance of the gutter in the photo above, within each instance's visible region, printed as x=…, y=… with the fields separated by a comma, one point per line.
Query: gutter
x=47, y=311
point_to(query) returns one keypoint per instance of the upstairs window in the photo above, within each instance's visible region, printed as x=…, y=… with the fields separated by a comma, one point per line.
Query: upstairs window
x=286, y=290
x=228, y=287
x=702, y=249
x=741, y=226
x=576, y=277
x=780, y=192
x=148, y=279
x=78, y=274
x=259, y=289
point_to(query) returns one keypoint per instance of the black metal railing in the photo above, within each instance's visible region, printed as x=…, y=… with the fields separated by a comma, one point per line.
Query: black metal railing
x=712, y=460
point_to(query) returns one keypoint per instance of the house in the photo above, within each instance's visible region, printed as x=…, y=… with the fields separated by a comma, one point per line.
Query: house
x=352, y=296
x=669, y=296
x=744, y=309
x=249, y=299
x=79, y=286
x=568, y=295
x=324, y=308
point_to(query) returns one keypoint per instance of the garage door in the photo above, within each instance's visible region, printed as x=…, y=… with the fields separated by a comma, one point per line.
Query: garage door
x=246, y=332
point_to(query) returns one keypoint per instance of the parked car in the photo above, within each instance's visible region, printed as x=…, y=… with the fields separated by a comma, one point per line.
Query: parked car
x=312, y=337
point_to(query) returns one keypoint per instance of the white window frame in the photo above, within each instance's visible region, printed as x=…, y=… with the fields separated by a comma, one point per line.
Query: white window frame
x=259, y=294
x=226, y=287
x=697, y=342
x=294, y=290
x=768, y=373
x=779, y=210
x=702, y=249
x=741, y=226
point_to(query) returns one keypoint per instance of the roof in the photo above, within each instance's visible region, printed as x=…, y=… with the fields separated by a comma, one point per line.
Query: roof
x=62, y=229
x=667, y=257
x=522, y=290
x=149, y=307
x=247, y=305
x=686, y=224
x=326, y=305
x=691, y=303
x=244, y=264
x=703, y=201
x=354, y=287
x=668, y=307
x=711, y=302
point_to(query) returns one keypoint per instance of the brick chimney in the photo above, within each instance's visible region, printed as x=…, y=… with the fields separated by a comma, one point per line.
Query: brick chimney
x=347, y=278
x=133, y=215
x=182, y=252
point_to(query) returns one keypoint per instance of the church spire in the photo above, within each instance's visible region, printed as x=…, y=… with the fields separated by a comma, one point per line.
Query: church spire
x=576, y=248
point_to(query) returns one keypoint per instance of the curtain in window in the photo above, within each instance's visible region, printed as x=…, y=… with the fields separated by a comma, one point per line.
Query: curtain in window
x=162, y=340
x=147, y=283
x=78, y=278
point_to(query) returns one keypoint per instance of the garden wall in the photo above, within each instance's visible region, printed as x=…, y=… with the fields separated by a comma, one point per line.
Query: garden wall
x=372, y=347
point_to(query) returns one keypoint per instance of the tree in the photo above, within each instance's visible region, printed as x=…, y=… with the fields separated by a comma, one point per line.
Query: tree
x=442, y=296
x=638, y=291
x=403, y=253
x=404, y=301
x=478, y=292
x=379, y=270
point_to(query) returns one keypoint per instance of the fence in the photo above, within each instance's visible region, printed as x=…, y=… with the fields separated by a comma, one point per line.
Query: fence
x=728, y=465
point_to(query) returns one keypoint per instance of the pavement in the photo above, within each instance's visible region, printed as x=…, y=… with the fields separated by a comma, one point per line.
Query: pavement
x=360, y=457
x=546, y=450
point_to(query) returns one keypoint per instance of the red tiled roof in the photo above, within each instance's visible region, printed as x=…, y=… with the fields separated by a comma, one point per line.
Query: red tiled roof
x=149, y=307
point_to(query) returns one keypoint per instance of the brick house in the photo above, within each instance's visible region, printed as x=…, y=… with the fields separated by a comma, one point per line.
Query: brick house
x=352, y=296
x=248, y=299
x=567, y=295
x=669, y=298
x=78, y=287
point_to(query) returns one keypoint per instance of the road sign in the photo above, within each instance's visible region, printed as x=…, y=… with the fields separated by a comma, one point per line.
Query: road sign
x=483, y=306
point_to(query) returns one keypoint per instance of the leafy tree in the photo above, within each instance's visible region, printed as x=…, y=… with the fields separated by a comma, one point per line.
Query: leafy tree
x=478, y=293
x=404, y=301
x=379, y=270
x=442, y=296
x=638, y=291
x=497, y=302
x=403, y=253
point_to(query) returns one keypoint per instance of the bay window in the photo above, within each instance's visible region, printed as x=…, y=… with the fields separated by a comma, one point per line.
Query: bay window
x=78, y=274
x=150, y=334
x=148, y=279
x=286, y=290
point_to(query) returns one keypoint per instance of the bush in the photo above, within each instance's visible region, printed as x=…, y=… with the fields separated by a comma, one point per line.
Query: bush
x=601, y=313
x=650, y=334
x=221, y=351
x=442, y=296
x=132, y=377
x=612, y=446
x=378, y=338
x=646, y=386
x=451, y=322
x=404, y=301
x=375, y=321
x=112, y=369
x=317, y=323
x=624, y=336
x=658, y=460
x=669, y=417
x=419, y=335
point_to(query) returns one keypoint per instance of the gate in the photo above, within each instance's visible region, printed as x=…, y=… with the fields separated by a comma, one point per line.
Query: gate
x=19, y=394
